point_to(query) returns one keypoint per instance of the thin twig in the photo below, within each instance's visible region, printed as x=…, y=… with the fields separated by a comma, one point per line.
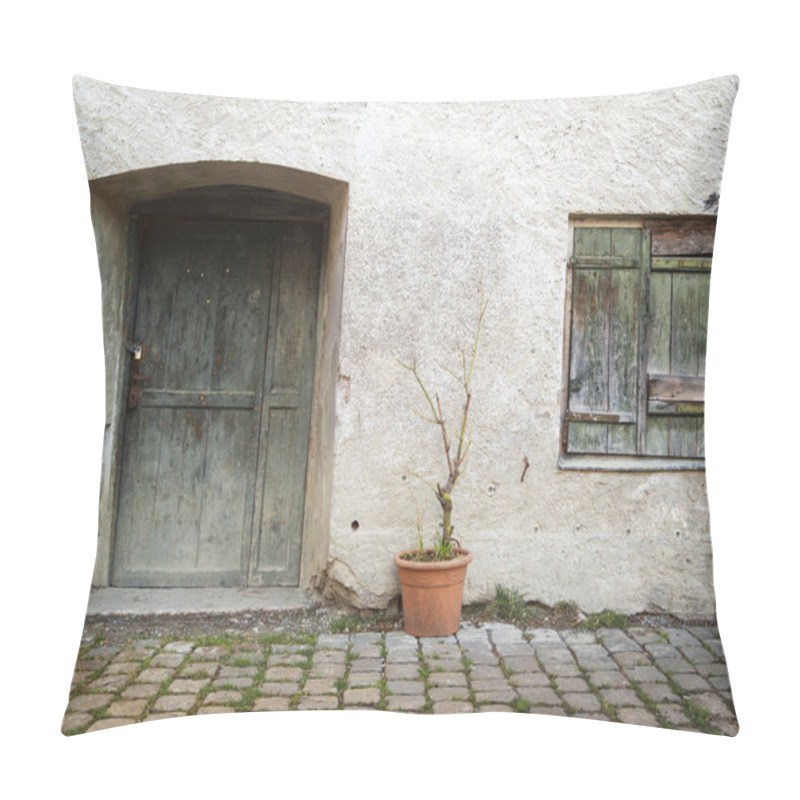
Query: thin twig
x=444, y=436
x=420, y=478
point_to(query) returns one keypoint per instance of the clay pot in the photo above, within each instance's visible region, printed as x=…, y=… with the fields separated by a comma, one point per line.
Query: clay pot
x=432, y=593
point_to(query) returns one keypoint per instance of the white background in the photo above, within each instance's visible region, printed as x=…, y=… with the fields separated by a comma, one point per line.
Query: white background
x=52, y=385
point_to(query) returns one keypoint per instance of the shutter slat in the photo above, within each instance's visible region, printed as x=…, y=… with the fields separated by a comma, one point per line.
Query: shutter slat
x=691, y=237
x=680, y=264
x=689, y=324
x=623, y=313
x=592, y=242
x=676, y=388
x=588, y=362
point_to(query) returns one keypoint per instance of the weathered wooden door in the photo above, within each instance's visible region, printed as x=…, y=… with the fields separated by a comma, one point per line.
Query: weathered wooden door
x=212, y=482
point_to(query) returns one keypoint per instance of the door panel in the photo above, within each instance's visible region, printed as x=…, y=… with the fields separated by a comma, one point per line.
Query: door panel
x=192, y=447
x=287, y=406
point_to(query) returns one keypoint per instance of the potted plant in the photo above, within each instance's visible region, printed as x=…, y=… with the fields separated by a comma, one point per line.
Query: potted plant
x=432, y=578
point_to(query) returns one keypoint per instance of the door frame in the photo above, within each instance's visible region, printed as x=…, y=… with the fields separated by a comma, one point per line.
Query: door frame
x=272, y=193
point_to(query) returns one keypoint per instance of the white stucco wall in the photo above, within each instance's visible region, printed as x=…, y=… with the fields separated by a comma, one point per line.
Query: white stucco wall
x=440, y=196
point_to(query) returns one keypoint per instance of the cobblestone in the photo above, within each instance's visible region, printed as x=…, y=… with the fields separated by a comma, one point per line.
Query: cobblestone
x=127, y=708
x=320, y=686
x=539, y=695
x=612, y=679
x=405, y=687
x=637, y=716
x=406, y=702
x=504, y=695
x=453, y=707
x=402, y=671
x=362, y=697
x=324, y=702
x=271, y=704
x=175, y=702
x=674, y=678
x=280, y=688
x=622, y=697
x=581, y=701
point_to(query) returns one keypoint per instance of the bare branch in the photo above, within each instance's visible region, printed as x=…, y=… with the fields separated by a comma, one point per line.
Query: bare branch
x=421, y=479
x=413, y=369
x=462, y=434
x=450, y=372
x=483, y=305
x=423, y=417
x=444, y=435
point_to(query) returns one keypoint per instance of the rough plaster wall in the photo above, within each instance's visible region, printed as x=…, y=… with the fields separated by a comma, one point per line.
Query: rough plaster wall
x=441, y=195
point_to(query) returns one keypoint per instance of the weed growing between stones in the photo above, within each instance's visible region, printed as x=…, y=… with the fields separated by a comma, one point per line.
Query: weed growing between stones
x=225, y=640
x=649, y=704
x=605, y=619
x=605, y=706
x=699, y=717
x=383, y=703
x=281, y=638
x=343, y=682
x=100, y=713
x=424, y=674
x=241, y=661
x=521, y=705
x=509, y=605
x=249, y=696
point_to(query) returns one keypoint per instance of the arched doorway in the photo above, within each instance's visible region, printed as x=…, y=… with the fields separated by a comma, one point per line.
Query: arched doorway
x=218, y=456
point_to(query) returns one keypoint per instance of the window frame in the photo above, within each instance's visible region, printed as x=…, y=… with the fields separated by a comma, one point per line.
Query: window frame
x=638, y=462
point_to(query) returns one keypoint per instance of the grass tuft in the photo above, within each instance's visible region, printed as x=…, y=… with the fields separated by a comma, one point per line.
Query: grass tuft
x=605, y=619
x=226, y=640
x=269, y=639
x=699, y=717
x=509, y=604
x=521, y=704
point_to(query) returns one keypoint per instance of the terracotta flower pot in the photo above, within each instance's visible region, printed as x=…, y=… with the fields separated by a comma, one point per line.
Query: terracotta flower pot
x=432, y=593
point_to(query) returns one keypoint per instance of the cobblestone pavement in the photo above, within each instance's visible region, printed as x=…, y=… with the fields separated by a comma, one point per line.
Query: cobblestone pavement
x=673, y=677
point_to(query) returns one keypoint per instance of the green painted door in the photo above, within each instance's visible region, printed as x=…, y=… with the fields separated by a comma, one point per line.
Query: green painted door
x=212, y=479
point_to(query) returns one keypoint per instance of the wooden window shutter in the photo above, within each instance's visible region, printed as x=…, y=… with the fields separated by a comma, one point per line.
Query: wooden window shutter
x=602, y=405
x=680, y=275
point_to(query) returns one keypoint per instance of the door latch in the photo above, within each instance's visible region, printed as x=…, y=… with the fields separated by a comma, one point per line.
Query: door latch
x=135, y=350
x=137, y=356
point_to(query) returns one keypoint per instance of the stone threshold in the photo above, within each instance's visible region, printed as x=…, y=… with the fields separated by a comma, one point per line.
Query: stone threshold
x=112, y=600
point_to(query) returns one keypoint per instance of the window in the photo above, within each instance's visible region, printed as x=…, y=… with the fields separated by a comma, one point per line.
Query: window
x=634, y=387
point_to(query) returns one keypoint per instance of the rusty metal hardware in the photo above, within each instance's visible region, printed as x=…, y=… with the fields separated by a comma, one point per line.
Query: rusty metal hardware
x=137, y=356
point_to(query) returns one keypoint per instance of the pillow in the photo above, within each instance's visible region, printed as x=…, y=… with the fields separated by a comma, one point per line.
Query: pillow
x=313, y=313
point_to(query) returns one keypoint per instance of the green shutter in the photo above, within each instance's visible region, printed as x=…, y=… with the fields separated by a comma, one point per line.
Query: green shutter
x=677, y=334
x=604, y=334
x=636, y=370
